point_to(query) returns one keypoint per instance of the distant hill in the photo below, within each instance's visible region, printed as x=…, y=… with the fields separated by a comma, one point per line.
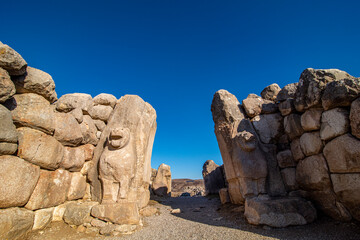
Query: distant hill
x=195, y=187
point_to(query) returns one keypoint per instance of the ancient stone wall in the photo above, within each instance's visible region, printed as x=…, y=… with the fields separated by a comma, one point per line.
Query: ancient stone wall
x=290, y=144
x=78, y=159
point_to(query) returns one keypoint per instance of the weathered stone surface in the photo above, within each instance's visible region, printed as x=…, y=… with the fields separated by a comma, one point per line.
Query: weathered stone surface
x=7, y=87
x=15, y=223
x=289, y=178
x=162, y=182
x=312, y=174
x=78, y=114
x=68, y=102
x=244, y=163
x=334, y=122
x=8, y=148
x=213, y=177
x=42, y=218
x=59, y=211
x=355, y=118
x=269, y=107
x=50, y=190
x=67, y=129
x=292, y=126
x=310, y=120
x=285, y=159
x=148, y=211
x=18, y=179
x=268, y=126
x=36, y=81
x=88, y=130
x=115, y=229
x=77, y=186
x=296, y=150
x=341, y=93
x=101, y=112
x=74, y=158
x=343, y=154
x=286, y=107
x=119, y=213
x=32, y=110
x=312, y=84
x=105, y=99
x=270, y=92
x=78, y=213
x=86, y=168
x=252, y=105
x=97, y=223
x=11, y=61
x=7, y=128
x=287, y=92
x=224, y=195
x=279, y=212
x=100, y=125
x=123, y=154
x=347, y=189
x=40, y=149
x=311, y=143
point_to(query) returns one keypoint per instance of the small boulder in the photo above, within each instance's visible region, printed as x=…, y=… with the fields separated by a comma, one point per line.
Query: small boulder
x=285, y=159
x=355, y=118
x=77, y=186
x=119, y=213
x=16, y=223
x=67, y=129
x=8, y=133
x=292, y=126
x=287, y=92
x=7, y=87
x=296, y=150
x=270, y=92
x=105, y=99
x=213, y=177
x=286, y=107
x=289, y=177
x=162, y=182
x=68, y=102
x=252, y=105
x=42, y=218
x=334, y=122
x=88, y=130
x=36, y=81
x=311, y=143
x=100, y=112
x=78, y=213
x=11, y=61
x=224, y=195
x=310, y=120
x=78, y=114
x=268, y=126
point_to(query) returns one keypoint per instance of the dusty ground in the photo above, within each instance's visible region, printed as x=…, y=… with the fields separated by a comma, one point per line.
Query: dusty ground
x=205, y=218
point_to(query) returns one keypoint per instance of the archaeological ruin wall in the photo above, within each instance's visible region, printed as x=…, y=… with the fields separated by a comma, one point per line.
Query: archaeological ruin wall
x=293, y=150
x=78, y=159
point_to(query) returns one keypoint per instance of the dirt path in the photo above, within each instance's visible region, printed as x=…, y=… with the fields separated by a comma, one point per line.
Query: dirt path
x=205, y=218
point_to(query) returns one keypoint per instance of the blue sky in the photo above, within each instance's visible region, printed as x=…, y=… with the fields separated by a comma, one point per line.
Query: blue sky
x=177, y=54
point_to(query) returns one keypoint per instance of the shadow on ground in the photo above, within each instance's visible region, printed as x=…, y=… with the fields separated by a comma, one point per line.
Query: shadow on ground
x=208, y=210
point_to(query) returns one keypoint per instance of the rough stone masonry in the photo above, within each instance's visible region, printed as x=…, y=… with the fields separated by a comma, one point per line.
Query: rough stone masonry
x=293, y=151
x=82, y=160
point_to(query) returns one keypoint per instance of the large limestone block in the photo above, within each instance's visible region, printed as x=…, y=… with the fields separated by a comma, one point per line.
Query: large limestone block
x=311, y=143
x=100, y=112
x=312, y=83
x=77, y=186
x=281, y=212
x=296, y=150
x=343, y=154
x=334, y=122
x=292, y=126
x=11, y=61
x=285, y=159
x=312, y=174
x=289, y=178
x=287, y=92
x=42, y=218
x=213, y=177
x=50, y=190
x=347, y=189
x=7, y=87
x=78, y=213
x=286, y=107
x=32, y=110
x=74, y=158
x=270, y=92
x=341, y=93
x=88, y=130
x=268, y=126
x=40, y=149
x=18, y=179
x=119, y=213
x=7, y=128
x=162, y=182
x=68, y=102
x=15, y=223
x=355, y=118
x=36, y=81
x=252, y=105
x=122, y=158
x=311, y=119
x=67, y=129
x=105, y=99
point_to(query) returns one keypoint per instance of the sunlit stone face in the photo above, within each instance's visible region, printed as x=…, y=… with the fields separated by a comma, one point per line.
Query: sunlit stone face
x=119, y=137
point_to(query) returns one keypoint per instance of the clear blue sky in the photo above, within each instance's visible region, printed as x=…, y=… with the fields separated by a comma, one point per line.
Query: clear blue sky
x=177, y=54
